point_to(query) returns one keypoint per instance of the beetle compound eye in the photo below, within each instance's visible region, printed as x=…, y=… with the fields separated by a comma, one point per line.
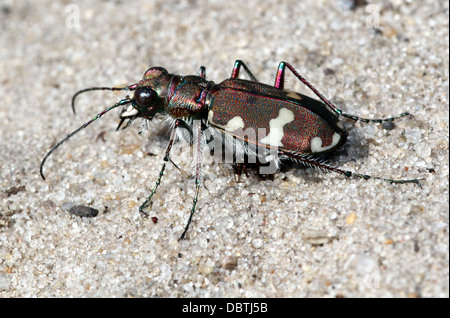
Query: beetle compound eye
x=144, y=97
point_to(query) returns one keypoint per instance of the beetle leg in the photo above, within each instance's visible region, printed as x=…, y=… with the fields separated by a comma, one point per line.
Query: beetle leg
x=314, y=162
x=380, y=120
x=198, y=139
x=161, y=173
x=201, y=72
x=279, y=83
x=237, y=67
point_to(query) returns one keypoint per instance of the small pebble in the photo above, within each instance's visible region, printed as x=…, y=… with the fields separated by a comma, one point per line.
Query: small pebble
x=388, y=125
x=351, y=218
x=316, y=238
x=229, y=262
x=83, y=211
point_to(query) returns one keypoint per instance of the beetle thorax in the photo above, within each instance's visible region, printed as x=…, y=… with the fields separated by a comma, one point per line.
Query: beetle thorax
x=186, y=96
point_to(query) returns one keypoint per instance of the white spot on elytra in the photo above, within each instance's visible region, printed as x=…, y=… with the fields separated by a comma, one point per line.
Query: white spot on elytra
x=340, y=125
x=276, y=133
x=316, y=143
x=233, y=124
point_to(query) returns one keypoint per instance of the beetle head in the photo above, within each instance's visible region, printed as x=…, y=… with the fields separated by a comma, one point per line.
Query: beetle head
x=147, y=99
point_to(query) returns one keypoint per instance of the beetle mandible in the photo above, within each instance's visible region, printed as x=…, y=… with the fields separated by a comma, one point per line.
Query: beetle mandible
x=246, y=117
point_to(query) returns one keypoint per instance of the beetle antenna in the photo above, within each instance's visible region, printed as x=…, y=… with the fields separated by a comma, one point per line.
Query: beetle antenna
x=121, y=103
x=126, y=88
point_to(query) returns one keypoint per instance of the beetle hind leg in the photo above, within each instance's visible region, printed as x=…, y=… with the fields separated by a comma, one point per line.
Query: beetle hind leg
x=379, y=121
x=279, y=83
x=314, y=162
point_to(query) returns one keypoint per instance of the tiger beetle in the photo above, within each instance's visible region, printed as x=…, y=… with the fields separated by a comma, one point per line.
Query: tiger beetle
x=245, y=117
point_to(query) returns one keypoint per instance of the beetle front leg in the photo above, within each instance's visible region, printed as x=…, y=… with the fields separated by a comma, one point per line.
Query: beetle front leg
x=161, y=173
x=279, y=83
x=237, y=67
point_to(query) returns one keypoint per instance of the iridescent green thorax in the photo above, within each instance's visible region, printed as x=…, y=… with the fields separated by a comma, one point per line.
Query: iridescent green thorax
x=187, y=97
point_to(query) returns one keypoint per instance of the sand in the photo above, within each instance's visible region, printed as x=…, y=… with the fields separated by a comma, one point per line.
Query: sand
x=302, y=233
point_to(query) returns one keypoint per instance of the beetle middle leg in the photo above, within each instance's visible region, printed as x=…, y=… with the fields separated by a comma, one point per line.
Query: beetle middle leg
x=201, y=72
x=199, y=143
x=279, y=83
x=236, y=68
